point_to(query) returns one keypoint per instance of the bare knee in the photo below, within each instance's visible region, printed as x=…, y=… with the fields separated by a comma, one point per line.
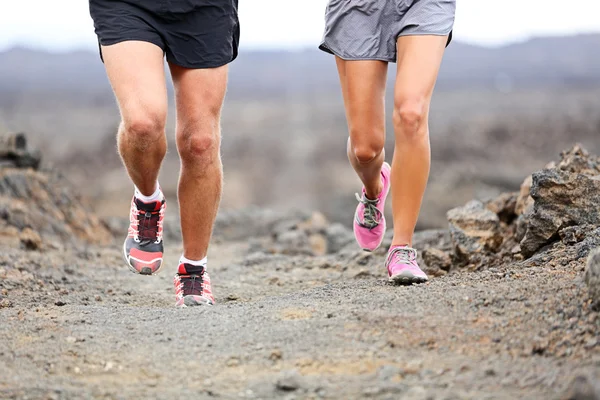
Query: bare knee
x=144, y=129
x=410, y=118
x=198, y=144
x=369, y=147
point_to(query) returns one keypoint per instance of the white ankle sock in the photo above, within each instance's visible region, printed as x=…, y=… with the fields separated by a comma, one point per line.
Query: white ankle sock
x=198, y=263
x=157, y=195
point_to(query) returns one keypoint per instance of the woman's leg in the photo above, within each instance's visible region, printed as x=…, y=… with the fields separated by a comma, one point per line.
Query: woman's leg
x=363, y=88
x=419, y=59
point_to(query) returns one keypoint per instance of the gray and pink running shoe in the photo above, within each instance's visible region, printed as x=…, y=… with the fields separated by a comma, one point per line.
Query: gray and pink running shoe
x=402, y=266
x=369, y=221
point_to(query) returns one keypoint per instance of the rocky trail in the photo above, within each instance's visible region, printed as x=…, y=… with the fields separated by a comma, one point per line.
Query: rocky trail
x=511, y=311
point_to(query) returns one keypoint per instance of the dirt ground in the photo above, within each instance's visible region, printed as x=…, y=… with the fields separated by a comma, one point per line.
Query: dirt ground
x=75, y=323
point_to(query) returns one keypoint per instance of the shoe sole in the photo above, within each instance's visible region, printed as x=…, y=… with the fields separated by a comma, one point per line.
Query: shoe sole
x=407, y=278
x=192, y=301
x=144, y=271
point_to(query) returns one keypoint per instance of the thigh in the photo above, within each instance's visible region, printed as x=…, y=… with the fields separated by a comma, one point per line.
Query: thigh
x=363, y=88
x=419, y=60
x=136, y=73
x=201, y=33
x=199, y=94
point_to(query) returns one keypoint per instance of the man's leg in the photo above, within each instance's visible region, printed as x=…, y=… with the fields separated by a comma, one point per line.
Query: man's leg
x=419, y=59
x=136, y=73
x=199, y=98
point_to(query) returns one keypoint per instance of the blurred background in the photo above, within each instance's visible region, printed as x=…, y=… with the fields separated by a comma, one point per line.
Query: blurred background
x=520, y=83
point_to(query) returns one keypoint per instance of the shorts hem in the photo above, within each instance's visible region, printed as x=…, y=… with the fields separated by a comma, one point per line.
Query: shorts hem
x=102, y=42
x=429, y=33
x=327, y=49
x=200, y=65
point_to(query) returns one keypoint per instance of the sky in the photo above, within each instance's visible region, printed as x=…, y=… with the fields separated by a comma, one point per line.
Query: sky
x=66, y=24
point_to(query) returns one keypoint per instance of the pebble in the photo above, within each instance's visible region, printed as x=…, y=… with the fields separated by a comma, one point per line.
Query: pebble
x=288, y=381
x=276, y=355
x=233, y=362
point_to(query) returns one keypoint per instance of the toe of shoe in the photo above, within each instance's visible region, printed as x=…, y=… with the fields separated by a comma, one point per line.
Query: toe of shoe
x=145, y=268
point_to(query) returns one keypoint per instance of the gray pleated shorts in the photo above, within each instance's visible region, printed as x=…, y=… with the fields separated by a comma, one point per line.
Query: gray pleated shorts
x=369, y=29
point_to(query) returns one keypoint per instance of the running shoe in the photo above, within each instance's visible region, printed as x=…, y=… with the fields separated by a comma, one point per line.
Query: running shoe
x=192, y=286
x=402, y=266
x=143, y=247
x=369, y=221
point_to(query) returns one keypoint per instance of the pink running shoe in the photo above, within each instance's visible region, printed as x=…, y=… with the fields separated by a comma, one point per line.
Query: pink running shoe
x=369, y=221
x=402, y=266
x=192, y=286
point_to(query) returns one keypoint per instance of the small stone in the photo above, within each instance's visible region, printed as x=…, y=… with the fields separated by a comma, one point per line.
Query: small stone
x=289, y=381
x=5, y=303
x=60, y=303
x=233, y=362
x=232, y=297
x=71, y=339
x=435, y=260
x=30, y=239
x=109, y=365
x=276, y=355
x=362, y=274
x=474, y=230
x=274, y=281
x=98, y=298
x=539, y=347
x=77, y=370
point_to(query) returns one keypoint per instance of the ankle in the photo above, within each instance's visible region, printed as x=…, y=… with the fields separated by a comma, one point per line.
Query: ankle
x=401, y=242
x=372, y=193
x=154, y=196
x=191, y=266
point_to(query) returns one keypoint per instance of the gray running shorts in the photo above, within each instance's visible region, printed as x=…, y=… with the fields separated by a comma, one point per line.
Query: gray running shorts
x=369, y=29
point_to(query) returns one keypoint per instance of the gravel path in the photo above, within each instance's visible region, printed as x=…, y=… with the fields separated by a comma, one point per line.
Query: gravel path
x=77, y=324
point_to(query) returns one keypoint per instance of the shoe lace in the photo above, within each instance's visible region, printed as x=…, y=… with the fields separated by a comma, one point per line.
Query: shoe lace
x=371, y=215
x=403, y=255
x=149, y=226
x=192, y=285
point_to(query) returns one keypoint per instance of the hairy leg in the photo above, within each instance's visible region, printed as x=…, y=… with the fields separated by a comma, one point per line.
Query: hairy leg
x=363, y=88
x=136, y=73
x=419, y=59
x=199, y=97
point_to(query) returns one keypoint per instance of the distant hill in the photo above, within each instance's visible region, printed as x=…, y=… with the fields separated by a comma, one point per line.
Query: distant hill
x=572, y=60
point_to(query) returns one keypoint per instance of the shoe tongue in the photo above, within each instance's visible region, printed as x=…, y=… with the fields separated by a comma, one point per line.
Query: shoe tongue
x=189, y=269
x=151, y=206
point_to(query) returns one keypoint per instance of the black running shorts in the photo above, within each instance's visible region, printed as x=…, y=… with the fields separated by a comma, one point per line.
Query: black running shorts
x=191, y=33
